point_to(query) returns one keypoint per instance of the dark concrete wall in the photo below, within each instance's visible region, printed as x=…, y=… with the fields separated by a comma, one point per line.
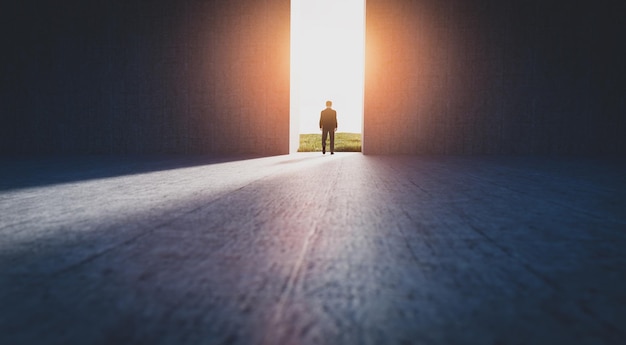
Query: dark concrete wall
x=192, y=76
x=495, y=77
x=144, y=77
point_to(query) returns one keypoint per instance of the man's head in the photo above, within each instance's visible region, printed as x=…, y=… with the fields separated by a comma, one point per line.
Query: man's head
x=329, y=104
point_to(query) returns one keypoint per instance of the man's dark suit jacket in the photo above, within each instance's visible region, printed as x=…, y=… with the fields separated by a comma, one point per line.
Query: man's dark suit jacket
x=328, y=119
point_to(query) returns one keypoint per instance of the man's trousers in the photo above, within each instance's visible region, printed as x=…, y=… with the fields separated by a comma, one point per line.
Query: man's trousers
x=325, y=133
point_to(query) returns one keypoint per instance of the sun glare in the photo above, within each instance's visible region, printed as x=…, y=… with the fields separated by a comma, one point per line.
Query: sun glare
x=327, y=62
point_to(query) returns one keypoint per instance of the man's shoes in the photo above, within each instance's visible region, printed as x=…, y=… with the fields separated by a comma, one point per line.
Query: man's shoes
x=323, y=150
x=332, y=153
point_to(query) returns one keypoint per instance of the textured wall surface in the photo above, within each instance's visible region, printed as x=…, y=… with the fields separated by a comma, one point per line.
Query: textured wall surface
x=191, y=76
x=145, y=77
x=494, y=77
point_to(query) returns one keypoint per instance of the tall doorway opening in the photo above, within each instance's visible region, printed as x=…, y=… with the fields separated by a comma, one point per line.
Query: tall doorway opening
x=327, y=63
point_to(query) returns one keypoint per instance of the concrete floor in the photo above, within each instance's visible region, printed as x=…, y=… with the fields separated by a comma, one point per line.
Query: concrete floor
x=312, y=249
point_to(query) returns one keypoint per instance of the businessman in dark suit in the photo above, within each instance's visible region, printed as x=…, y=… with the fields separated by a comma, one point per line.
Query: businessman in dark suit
x=328, y=125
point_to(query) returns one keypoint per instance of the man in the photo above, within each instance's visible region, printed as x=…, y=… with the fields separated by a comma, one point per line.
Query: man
x=328, y=125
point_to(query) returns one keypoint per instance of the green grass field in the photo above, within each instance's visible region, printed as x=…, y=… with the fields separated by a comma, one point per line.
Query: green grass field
x=344, y=142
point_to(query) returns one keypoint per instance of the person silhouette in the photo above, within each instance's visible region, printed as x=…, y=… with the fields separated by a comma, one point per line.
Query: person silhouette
x=328, y=125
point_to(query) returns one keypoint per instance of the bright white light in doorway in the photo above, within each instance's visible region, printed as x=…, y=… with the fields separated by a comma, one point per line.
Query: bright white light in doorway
x=327, y=62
